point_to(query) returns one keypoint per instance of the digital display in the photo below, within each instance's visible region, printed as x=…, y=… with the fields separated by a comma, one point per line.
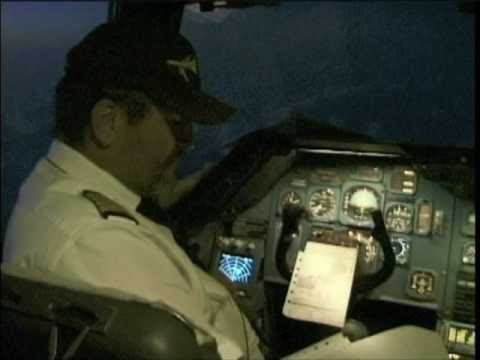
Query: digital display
x=239, y=269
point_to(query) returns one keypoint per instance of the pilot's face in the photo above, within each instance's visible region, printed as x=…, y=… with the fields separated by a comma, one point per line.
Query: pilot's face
x=154, y=145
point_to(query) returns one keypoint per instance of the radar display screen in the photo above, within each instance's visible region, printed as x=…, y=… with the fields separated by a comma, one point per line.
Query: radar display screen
x=239, y=269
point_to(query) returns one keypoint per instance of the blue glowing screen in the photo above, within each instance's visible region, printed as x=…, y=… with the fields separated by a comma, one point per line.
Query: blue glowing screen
x=239, y=269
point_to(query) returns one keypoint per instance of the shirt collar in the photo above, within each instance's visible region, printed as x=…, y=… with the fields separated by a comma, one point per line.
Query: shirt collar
x=78, y=166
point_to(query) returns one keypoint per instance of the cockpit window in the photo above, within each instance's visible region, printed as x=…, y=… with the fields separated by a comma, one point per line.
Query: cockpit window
x=400, y=72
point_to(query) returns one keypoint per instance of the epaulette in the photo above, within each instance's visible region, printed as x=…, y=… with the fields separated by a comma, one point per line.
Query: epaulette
x=107, y=207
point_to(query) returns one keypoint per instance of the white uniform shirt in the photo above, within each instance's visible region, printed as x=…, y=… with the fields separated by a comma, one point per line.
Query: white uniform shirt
x=54, y=228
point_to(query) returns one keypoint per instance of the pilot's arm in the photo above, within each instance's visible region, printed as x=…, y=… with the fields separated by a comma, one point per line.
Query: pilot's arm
x=117, y=254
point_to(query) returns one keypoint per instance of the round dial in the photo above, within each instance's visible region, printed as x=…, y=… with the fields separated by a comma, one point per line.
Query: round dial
x=401, y=249
x=399, y=218
x=397, y=247
x=322, y=202
x=290, y=197
x=359, y=202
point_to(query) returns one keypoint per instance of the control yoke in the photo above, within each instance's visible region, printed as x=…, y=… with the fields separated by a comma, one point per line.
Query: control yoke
x=379, y=233
x=289, y=244
x=289, y=241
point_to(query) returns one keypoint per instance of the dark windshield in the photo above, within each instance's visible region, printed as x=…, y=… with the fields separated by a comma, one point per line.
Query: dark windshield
x=401, y=72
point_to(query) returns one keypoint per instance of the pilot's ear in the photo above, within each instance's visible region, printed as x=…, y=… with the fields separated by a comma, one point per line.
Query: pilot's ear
x=105, y=122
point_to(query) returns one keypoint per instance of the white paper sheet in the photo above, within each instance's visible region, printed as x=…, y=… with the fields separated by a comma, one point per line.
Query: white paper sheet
x=321, y=284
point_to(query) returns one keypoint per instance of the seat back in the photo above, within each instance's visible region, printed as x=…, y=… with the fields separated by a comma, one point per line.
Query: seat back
x=39, y=319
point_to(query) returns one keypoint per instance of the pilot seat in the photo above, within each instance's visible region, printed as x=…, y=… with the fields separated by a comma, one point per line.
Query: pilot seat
x=47, y=320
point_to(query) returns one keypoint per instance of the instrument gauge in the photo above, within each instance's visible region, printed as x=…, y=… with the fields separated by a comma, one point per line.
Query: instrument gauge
x=401, y=249
x=323, y=203
x=359, y=202
x=399, y=218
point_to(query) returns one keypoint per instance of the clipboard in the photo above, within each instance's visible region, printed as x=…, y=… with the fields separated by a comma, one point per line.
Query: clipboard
x=321, y=284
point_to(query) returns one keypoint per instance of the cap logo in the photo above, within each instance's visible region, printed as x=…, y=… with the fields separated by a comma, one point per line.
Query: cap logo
x=188, y=63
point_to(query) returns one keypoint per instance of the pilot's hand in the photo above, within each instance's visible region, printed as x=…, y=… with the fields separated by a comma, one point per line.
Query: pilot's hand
x=171, y=189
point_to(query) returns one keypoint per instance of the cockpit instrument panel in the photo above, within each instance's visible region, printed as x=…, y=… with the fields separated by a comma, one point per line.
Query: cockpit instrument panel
x=431, y=229
x=432, y=233
x=418, y=215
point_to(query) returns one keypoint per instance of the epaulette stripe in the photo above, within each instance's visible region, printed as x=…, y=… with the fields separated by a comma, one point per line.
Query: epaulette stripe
x=107, y=207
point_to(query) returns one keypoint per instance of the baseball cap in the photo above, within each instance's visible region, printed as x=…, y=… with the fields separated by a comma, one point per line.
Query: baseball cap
x=143, y=57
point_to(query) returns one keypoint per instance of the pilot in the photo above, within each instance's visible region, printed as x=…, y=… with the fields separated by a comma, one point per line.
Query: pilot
x=123, y=116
